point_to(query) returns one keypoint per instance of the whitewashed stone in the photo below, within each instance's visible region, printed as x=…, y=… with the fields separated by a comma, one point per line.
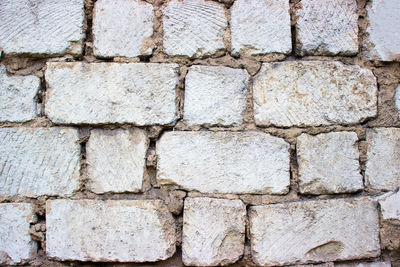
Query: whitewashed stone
x=42, y=27
x=384, y=37
x=122, y=28
x=224, y=162
x=327, y=27
x=111, y=230
x=39, y=161
x=314, y=231
x=95, y=93
x=213, y=231
x=16, y=246
x=17, y=97
x=313, y=93
x=215, y=95
x=260, y=27
x=365, y=264
x=116, y=160
x=390, y=206
x=329, y=163
x=383, y=158
x=193, y=28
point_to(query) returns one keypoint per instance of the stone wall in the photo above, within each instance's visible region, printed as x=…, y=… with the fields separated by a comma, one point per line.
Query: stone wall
x=200, y=133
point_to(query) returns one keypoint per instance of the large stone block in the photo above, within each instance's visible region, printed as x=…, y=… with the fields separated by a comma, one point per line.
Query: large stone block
x=390, y=206
x=224, y=162
x=112, y=230
x=313, y=93
x=39, y=161
x=96, y=93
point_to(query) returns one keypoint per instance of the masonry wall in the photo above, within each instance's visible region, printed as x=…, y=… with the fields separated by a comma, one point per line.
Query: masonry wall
x=200, y=133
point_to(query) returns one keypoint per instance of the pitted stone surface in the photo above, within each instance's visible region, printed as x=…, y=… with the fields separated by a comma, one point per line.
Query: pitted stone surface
x=16, y=246
x=17, y=97
x=194, y=28
x=390, y=206
x=313, y=93
x=314, y=231
x=224, y=162
x=365, y=264
x=215, y=95
x=111, y=230
x=327, y=27
x=137, y=93
x=42, y=27
x=213, y=231
x=383, y=158
x=397, y=100
x=260, y=27
x=122, y=28
x=384, y=37
x=329, y=163
x=116, y=160
x=39, y=161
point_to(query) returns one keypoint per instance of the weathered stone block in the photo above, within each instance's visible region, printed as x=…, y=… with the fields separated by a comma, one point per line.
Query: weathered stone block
x=194, y=28
x=224, y=162
x=16, y=246
x=260, y=27
x=390, y=206
x=50, y=27
x=122, y=28
x=39, y=161
x=112, y=230
x=327, y=27
x=213, y=231
x=95, y=93
x=215, y=95
x=384, y=39
x=383, y=158
x=314, y=231
x=313, y=93
x=397, y=100
x=329, y=163
x=17, y=97
x=365, y=264
x=116, y=160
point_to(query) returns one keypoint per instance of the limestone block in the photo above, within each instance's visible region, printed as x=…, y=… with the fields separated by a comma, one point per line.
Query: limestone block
x=390, y=206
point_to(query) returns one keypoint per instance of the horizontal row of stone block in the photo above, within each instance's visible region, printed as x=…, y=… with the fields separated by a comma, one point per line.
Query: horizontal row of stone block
x=46, y=161
x=303, y=93
x=213, y=231
x=198, y=28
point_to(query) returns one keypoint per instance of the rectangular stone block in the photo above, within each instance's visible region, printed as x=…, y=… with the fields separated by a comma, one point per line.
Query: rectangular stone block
x=213, y=231
x=313, y=93
x=137, y=93
x=111, y=230
x=49, y=27
x=116, y=160
x=224, y=162
x=390, y=206
x=39, y=161
x=17, y=97
x=314, y=231
x=16, y=245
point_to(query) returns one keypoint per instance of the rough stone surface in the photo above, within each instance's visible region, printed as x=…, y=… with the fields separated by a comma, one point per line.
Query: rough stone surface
x=224, y=162
x=365, y=264
x=384, y=37
x=41, y=27
x=194, y=28
x=112, y=230
x=314, y=231
x=122, y=28
x=17, y=97
x=383, y=158
x=96, y=93
x=116, y=160
x=397, y=100
x=39, y=161
x=329, y=163
x=260, y=27
x=327, y=27
x=390, y=206
x=16, y=245
x=213, y=231
x=313, y=93
x=215, y=95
